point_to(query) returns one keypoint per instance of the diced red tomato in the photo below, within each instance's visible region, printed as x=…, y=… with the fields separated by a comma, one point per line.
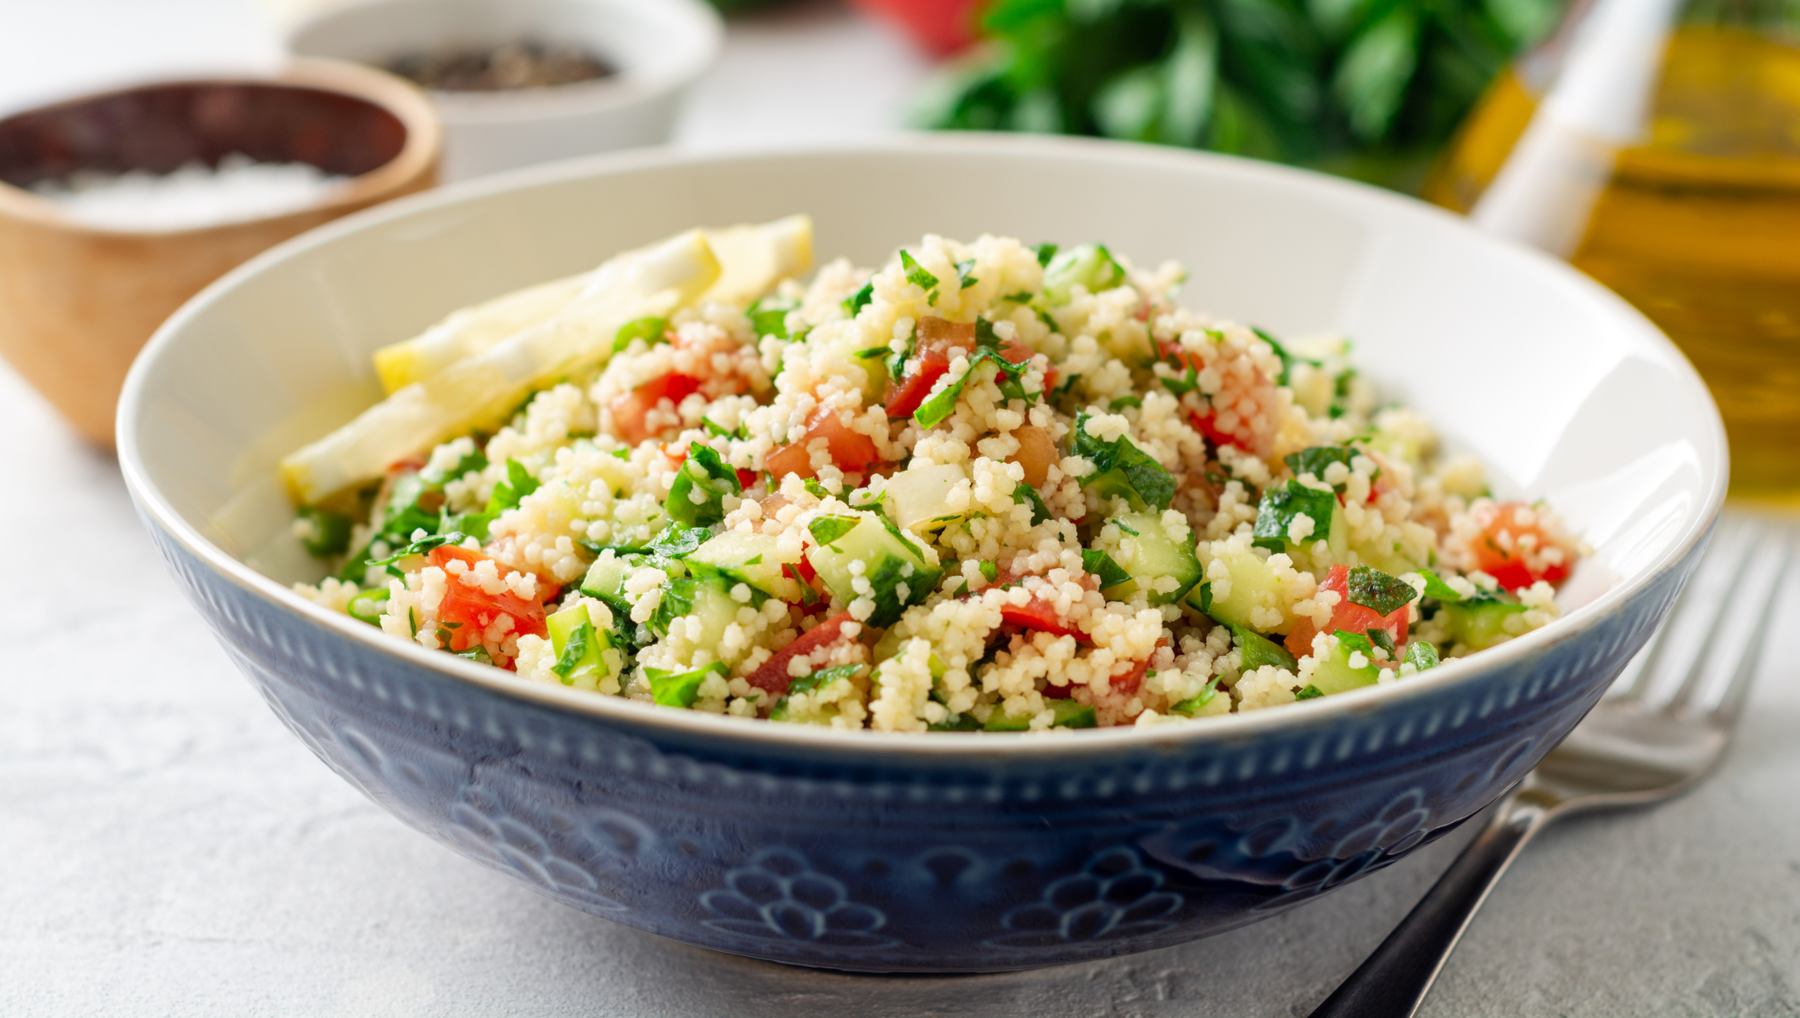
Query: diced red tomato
x=1499, y=550
x=1347, y=617
x=1040, y=616
x=1202, y=422
x=852, y=451
x=939, y=342
x=631, y=410
x=1126, y=683
x=773, y=675
x=466, y=610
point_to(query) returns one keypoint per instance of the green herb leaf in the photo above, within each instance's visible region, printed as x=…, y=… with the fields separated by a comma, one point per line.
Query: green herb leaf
x=697, y=495
x=1421, y=654
x=860, y=299
x=1379, y=592
x=768, y=317
x=1104, y=568
x=680, y=689
x=1025, y=494
x=1121, y=468
x=576, y=651
x=1437, y=589
x=652, y=330
x=1279, y=507
x=827, y=529
x=916, y=274
x=1317, y=459
x=325, y=534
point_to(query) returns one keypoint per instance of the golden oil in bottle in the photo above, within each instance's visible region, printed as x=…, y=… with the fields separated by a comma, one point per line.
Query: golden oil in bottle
x=1694, y=218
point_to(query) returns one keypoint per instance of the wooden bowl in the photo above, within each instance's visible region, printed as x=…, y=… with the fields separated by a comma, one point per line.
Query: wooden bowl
x=78, y=300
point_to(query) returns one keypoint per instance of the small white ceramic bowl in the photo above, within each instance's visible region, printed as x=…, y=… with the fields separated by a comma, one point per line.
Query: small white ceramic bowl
x=939, y=851
x=660, y=47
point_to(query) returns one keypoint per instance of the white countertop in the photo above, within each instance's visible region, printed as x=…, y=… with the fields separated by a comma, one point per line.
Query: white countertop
x=170, y=850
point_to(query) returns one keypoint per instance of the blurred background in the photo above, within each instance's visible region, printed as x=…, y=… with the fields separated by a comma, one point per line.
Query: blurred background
x=1655, y=143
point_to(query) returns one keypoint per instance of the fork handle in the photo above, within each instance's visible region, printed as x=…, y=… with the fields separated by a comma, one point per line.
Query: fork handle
x=1394, y=980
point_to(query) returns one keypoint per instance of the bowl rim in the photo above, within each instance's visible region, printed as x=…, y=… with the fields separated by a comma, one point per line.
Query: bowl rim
x=420, y=148
x=941, y=748
x=700, y=23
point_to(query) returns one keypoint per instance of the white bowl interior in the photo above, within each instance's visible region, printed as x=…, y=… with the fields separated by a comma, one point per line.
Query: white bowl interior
x=1561, y=388
x=652, y=42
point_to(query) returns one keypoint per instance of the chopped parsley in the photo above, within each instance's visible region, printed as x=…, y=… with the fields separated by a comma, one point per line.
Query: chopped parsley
x=860, y=299
x=963, y=268
x=1121, y=468
x=697, y=496
x=827, y=529
x=579, y=653
x=652, y=330
x=1279, y=507
x=1316, y=459
x=1194, y=704
x=1104, y=568
x=325, y=534
x=916, y=273
x=1421, y=654
x=768, y=317
x=938, y=406
x=680, y=689
x=1436, y=588
x=1379, y=592
x=1025, y=494
x=1288, y=360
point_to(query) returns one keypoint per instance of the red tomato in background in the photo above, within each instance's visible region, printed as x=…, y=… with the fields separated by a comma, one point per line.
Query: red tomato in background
x=940, y=27
x=630, y=410
x=1347, y=617
x=1497, y=554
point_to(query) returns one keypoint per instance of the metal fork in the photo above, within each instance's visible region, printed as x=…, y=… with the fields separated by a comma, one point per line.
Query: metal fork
x=1660, y=729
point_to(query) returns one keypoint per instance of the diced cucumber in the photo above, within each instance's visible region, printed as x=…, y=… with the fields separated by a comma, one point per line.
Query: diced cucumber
x=742, y=557
x=606, y=578
x=1334, y=673
x=581, y=658
x=1480, y=622
x=1146, y=551
x=917, y=497
x=1256, y=651
x=1252, y=586
x=900, y=572
x=706, y=599
x=1090, y=266
x=1063, y=713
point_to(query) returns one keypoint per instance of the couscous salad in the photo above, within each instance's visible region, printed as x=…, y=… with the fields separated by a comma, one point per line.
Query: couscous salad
x=986, y=486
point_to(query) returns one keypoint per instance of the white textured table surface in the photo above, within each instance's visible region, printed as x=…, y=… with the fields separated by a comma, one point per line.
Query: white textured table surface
x=170, y=850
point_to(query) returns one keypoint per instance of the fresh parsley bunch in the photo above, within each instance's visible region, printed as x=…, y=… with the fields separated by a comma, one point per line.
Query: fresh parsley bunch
x=1363, y=87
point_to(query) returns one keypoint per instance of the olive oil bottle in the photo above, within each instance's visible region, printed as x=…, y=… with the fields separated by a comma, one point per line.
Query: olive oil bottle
x=1658, y=149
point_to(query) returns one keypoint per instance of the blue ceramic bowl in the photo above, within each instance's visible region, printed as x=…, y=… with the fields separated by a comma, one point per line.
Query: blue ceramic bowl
x=943, y=852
